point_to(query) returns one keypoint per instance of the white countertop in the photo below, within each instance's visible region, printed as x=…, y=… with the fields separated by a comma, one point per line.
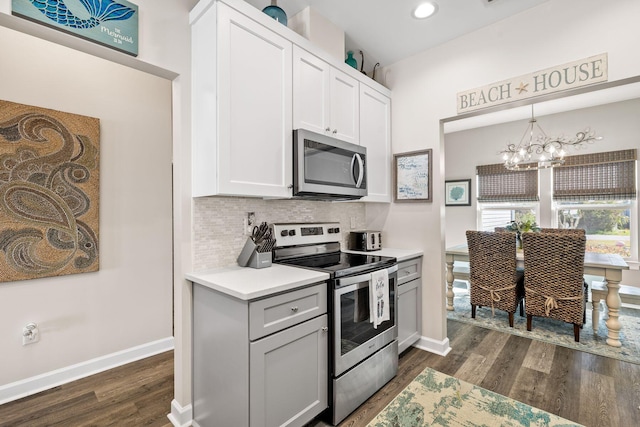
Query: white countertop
x=399, y=254
x=247, y=283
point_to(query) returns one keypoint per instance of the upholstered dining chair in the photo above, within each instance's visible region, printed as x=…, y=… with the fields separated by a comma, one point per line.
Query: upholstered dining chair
x=553, y=283
x=493, y=279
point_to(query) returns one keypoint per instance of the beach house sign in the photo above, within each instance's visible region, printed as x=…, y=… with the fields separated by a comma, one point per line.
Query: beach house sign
x=561, y=77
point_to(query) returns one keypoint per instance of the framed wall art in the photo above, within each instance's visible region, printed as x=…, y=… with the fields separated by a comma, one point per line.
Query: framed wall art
x=413, y=176
x=457, y=193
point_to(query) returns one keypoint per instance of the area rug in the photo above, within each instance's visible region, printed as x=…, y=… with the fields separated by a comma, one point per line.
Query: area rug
x=557, y=332
x=434, y=398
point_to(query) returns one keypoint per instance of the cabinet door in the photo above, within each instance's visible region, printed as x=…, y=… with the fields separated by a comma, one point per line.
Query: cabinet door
x=289, y=375
x=409, y=314
x=254, y=108
x=311, y=78
x=345, y=117
x=375, y=134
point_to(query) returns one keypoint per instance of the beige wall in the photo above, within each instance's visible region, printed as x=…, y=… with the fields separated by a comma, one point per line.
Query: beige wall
x=129, y=301
x=164, y=34
x=425, y=87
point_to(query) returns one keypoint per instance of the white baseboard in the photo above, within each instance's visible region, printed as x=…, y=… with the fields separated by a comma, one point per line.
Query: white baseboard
x=38, y=383
x=181, y=416
x=438, y=347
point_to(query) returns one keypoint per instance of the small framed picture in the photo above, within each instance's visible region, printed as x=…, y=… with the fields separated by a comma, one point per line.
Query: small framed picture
x=413, y=176
x=457, y=193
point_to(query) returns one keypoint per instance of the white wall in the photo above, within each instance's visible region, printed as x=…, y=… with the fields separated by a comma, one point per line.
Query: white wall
x=424, y=92
x=128, y=302
x=164, y=37
x=617, y=123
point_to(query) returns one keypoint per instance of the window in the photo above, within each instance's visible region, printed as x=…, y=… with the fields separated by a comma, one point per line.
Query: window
x=492, y=215
x=596, y=192
x=607, y=224
x=505, y=196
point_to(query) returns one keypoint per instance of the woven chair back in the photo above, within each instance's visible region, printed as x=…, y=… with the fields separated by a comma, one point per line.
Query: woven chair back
x=553, y=275
x=492, y=269
x=576, y=231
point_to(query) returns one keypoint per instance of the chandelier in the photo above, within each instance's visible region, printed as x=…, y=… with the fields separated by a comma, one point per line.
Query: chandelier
x=539, y=151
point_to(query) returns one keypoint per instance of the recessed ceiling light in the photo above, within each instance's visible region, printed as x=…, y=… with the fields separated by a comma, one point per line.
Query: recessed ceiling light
x=425, y=10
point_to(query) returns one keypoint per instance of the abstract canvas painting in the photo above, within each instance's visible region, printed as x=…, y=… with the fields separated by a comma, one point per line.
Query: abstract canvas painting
x=49, y=192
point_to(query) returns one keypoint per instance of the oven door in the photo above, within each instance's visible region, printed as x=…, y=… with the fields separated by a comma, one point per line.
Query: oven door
x=355, y=338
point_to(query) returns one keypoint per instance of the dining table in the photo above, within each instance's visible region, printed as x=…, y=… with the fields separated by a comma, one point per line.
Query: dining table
x=609, y=266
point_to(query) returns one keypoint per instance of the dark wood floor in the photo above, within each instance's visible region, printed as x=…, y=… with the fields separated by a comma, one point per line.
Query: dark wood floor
x=581, y=387
x=584, y=388
x=137, y=394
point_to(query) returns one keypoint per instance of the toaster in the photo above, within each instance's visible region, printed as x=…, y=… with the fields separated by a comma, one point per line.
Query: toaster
x=366, y=240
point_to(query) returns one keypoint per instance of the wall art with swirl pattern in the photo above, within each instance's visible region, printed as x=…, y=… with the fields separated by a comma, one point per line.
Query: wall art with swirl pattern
x=49, y=192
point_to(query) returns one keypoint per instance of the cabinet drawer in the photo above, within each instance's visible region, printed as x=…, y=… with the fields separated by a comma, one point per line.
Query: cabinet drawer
x=409, y=270
x=273, y=314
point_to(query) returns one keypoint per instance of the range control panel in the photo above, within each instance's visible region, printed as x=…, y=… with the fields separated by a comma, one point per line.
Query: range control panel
x=290, y=234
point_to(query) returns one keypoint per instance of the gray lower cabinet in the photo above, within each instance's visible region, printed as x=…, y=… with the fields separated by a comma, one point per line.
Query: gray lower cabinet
x=409, y=302
x=259, y=363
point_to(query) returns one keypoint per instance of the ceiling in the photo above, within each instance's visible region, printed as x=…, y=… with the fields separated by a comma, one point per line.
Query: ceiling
x=386, y=31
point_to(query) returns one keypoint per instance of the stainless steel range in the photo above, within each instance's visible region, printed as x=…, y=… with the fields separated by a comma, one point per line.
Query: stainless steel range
x=362, y=308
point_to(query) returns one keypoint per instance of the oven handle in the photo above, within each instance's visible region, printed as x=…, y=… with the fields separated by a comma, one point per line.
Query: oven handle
x=346, y=281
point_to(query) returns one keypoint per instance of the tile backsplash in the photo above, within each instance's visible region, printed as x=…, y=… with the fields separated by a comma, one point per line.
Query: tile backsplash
x=218, y=223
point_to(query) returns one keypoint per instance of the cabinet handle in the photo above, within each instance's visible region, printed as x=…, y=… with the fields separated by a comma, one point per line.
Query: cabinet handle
x=325, y=328
x=294, y=309
x=335, y=131
x=407, y=272
x=328, y=129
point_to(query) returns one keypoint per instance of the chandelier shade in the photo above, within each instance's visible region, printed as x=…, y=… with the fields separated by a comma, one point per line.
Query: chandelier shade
x=536, y=150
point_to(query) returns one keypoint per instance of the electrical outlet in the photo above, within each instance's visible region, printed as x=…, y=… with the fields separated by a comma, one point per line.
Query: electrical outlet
x=249, y=223
x=30, y=334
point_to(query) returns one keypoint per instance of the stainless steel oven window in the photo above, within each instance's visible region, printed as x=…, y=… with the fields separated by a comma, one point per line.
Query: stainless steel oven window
x=355, y=338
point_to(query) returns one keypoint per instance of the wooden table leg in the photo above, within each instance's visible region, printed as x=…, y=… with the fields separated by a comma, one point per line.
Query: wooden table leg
x=595, y=313
x=613, y=306
x=450, y=285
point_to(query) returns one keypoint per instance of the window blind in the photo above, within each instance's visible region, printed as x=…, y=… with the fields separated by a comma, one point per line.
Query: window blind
x=498, y=184
x=598, y=176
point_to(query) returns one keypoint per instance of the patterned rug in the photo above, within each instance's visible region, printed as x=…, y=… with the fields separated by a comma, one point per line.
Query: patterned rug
x=557, y=332
x=433, y=398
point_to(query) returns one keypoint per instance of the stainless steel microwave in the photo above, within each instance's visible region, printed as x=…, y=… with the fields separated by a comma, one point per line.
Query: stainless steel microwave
x=325, y=168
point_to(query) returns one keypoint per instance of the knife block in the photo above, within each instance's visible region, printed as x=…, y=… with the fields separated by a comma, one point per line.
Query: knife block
x=250, y=257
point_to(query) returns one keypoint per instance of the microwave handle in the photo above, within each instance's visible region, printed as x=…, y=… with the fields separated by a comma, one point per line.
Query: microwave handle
x=360, y=177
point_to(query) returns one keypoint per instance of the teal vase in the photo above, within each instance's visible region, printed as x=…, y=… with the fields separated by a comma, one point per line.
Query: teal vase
x=351, y=60
x=276, y=12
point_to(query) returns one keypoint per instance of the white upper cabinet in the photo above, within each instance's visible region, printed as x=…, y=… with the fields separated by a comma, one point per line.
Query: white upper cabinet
x=375, y=135
x=242, y=100
x=325, y=99
x=253, y=82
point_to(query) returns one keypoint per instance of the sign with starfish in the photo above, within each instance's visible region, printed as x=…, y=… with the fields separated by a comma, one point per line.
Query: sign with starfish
x=575, y=74
x=107, y=22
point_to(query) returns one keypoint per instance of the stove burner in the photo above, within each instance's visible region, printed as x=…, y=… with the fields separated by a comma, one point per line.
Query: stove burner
x=340, y=264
